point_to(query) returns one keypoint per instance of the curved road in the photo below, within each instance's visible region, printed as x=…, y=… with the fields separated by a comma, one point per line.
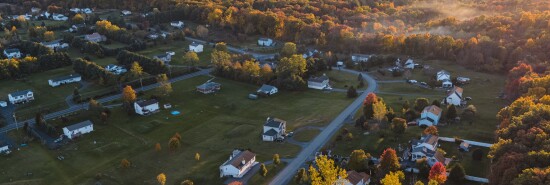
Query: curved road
x=288, y=172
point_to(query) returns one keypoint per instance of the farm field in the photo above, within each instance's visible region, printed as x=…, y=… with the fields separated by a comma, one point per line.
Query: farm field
x=212, y=125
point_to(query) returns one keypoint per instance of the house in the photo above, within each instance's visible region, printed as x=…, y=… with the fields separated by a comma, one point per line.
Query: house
x=75, y=10
x=426, y=148
x=3, y=104
x=78, y=129
x=462, y=80
x=146, y=107
x=166, y=58
x=443, y=75
x=177, y=24
x=95, y=37
x=409, y=64
x=273, y=129
x=64, y=80
x=430, y=116
x=446, y=83
x=238, y=164
x=12, y=53
x=196, y=47
x=35, y=10
x=268, y=90
x=21, y=96
x=310, y=53
x=76, y=27
x=153, y=36
x=56, y=44
x=86, y=10
x=454, y=97
x=464, y=146
x=125, y=13
x=115, y=69
x=357, y=178
x=265, y=42
x=438, y=157
x=209, y=87
x=59, y=17
x=360, y=58
x=4, y=148
x=321, y=82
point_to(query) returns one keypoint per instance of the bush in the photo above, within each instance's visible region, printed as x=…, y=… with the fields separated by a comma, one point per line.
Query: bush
x=477, y=155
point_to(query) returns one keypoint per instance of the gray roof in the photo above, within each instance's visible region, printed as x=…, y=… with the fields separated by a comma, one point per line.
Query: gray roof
x=424, y=150
x=79, y=125
x=162, y=55
x=61, y=78
x=195, y=44
x=264, y=39
x=274, y=122
x=20, y=93
x=12, y=50
x=147, y=103
x=271, y=132
x=318, y=79
x=266, y=88
x=208, y=85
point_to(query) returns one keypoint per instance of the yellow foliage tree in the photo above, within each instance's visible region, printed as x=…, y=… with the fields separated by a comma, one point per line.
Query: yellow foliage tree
x=327, y=172
x=197, y=156
x=393, y=178
x=125, y=163
x=158, y=147
x=129, y=95
x=49, y=36
x=161, y=178
x=380, y=110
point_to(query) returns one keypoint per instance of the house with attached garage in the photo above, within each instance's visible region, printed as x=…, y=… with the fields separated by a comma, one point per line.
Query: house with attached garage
x=177, y=24
x=116, y=69
x=268, y=90
x=64, y=80
x=430, y=116
x=59, y=17
x=209, y=87
x=273, y=129
x=454, y=96
x=21, y=97
x=166, y=58
x=196, y=47
x=238, y=164
x=357, y=178
x=321, y=82
x=265, y=42
x=4, y=148
x=95, y=37
x=356, y=58
x=12, y=53
x=56, y=44
x=73, y=131
x=426, y=148
x=146, y=107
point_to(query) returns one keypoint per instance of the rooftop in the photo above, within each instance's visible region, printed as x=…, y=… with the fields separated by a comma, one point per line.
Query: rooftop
x=20, y=93
x=61, y=78
x=237, y=160
x=147, y=102
x=318, y=79
x=356, y=177
x=79, y=125
x=266, y=88
x=433, y=109
x=12, y=50
x=274, y=122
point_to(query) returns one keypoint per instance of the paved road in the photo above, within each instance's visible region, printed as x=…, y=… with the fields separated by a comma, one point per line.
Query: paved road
x=257, y=56
x=288, y=172
x=79, y=107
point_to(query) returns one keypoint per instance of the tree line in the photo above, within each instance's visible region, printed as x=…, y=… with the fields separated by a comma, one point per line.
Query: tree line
x=151, y=66
x=17, y=68
x=91, y=71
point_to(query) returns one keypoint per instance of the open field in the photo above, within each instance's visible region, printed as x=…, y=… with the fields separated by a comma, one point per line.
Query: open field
x=342, y=80
x=306, y=135
x=211, y=125
x=272, y=170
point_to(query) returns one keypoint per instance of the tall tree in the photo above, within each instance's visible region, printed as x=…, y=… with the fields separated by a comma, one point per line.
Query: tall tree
x=276, y=159
x=420, y=104
x=173, y=144
x=161, y=179
x=197, y=156
x=393, y=178
x=288, y=50
x=389, y=161
x=191, y=59
x=438, y=173
x=398, y=126
x=301, y=177
x=165, y=87
x=451, y=112
x=136, y=72
x=327, y=172
x=358, y=160
x=380, y=110
x=263, y=170
x=368, y=111
x=457, y=173
x=128, y=95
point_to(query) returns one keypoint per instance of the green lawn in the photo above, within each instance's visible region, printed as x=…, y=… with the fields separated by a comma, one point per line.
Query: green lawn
x=343, y=80
x=179, y=47
x=305, y=135
x=212, y=125
x=272, y=170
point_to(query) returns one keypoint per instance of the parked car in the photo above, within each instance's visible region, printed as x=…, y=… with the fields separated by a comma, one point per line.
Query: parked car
x=290, y=134
x=468, y=98
x=424, y=83
x=412, y=81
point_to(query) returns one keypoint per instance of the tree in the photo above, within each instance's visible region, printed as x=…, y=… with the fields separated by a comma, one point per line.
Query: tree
x=327, y=172
x=451, y=112
x=76, y=95
x=352, y=92
x=432, y=130
x=221, y=46
x=95, y=107
x=433, y=182
x=477, y=154
x=419, y=183
x=49, y=36
x=158, y=147
x=136, y=72
x=174, y=144
x=191, y=59
x=288, y=50
x=399, y=125
x=367, y=105
x=263, y=170
x=457, y=173
x=389, y=161
x=124, y=163
x=202, y=31
x=165, y=87
x=469, y=113
x=128, y=95
x=393, y=178
x=436, y=103
x=358, y=160
x=348, y=136
x=235, y=183
x=161, y=178
x=438, y=173
x=187, y=182
x=276, y=159
x=197, y=156
x=78, y=19
x=423, y=168
x=420, y=104
x=301, y=176
x=379, y=110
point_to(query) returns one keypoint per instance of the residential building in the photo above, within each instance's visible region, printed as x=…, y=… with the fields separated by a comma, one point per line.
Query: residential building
x=64, y=80
x=177, y=24
x=75, y=10
x=426, y=148
x=268, y=90
x=35, y=10
x=75, y=27
x=73, y=131
x=274, y=129
x=4, y=148
x=321, y=82
x=238, y=164
x=430, y=116
x=464, y=146
x=360, y=58
x=59, y=17
x=310, y=53
x=196, y=47
x=153, y=36
x=21, y=96
x=146, y=107
x=166, y=58
x=409, y=64
x=265, y=42
x=209, y=87
x=56, y=44
x=443, y=75
x=125, y=13
x=462, y=80
x=454, y=96
x=357, y=178
x=3, y=104
x=446, y=83
x=86, y=10
x=12, y=53
x=95, y=37
x=115, y=69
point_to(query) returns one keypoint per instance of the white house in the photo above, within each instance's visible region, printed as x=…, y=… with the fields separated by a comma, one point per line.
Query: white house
x=177, y=24
x=446, y=84
x=430, y=116
x=238, y=164
x=166, y=58
x=443, y=75
x=409, y=64
x=426, y=148
x=357, y=178
x=3, y=104
x=268, y=90
x=12, y=53
x=21, y=96
x=78, y=129
x=59, y=17
x=265, y=42
x=75, y=10
x=86, y=10
x=64, y=80
x=125, y=13
x=462, y=80
x=95, y=37
x=273, y=129
x=321, y=82
x=115, y=69
x=196, y=47
x=454, y=96
x=146, y=107
x=56, y=44
x=310, y=53
x=360, y=58
x=4, y=148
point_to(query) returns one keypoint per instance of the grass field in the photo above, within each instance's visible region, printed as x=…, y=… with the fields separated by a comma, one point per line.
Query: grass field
x=212, y=125
x=342, y=80
x=272, y=170
x=305, y=135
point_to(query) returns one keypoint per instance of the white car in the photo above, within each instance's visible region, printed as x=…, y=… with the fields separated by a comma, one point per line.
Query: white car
x=412, y=81
x=3, y=104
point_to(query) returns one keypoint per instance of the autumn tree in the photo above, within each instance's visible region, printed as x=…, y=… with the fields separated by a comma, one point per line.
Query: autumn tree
x=174, y=143
x=288, y=50
x=276, y=159
x=49, y=36
x=457, y=173
x=266, y=73
x=368, y=110
x=197, y=156
x=380, y=110
x=438, y=173
x=398, y=126
x=161, y=178
x=125, y=163
x=451, y=112
x=290, y=72
x=165, y=87
x=358, y=160
x=418, y=183
x=191, y=59
x=393, y=178
x=389, y=161
x=327, y=172
x=128, y=96
x=78, y=19
x=158, y=147
x=136, y=72
x=263, y=170
x=202, y=31
x=420, y=104
x=432, y=130
x=187, y=182
x=301, y=177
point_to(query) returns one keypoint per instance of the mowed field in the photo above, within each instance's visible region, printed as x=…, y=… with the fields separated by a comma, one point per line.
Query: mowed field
x=212, y=125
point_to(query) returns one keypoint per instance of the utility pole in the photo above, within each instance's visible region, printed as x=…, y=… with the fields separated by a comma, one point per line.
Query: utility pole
x=15, y=119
